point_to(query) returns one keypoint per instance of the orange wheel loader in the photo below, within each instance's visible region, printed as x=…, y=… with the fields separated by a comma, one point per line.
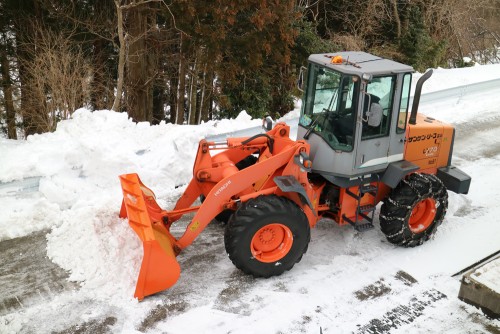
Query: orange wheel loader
x=357, y=145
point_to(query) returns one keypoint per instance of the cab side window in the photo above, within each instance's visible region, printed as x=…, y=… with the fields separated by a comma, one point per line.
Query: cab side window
x=403, y=107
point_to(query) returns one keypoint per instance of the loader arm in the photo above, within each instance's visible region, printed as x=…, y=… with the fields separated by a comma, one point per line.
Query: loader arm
x=228, y=187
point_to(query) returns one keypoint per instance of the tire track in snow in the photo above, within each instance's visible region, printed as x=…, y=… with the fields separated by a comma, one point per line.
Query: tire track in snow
x=27, y=276
x=402, y=314
x=392, y=301
x=382, y=287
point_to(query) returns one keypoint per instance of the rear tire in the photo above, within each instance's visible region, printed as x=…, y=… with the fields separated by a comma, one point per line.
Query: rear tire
x=267, y=235
x=414, y=210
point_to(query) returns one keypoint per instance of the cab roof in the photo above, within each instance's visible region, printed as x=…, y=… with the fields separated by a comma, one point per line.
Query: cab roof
x=358, y=63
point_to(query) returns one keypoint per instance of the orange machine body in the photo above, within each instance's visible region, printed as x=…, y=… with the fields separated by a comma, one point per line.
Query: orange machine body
x=224, y=186
x=429, y=144
x=338, y=187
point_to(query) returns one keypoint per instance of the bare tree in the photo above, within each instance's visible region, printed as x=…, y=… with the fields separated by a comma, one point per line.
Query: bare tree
x=362, y=24
x=469, y=27
x=59, y=79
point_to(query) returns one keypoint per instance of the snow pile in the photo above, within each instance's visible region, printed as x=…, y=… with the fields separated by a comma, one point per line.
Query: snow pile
x=80, y=163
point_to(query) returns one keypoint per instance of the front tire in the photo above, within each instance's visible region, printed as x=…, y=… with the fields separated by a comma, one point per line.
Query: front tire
x=414, y=209
x=267, y=235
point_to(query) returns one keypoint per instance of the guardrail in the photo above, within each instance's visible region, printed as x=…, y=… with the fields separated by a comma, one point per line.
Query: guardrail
x=27, y=185
x=460, y=91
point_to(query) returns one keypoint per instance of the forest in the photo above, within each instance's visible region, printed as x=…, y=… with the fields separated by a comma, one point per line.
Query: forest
x=190, y=61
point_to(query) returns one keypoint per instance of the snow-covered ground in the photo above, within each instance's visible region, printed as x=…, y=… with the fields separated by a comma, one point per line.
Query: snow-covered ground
x=347, y=282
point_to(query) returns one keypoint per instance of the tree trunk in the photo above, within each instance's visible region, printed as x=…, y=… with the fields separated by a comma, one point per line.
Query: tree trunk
x=7, y=92
x=99, y=82
x=172, y=99
x=181, y=88
x=204, y=96
x=139, y=80
x=121, y=57
x=158, y=101
x=395, y=14
x=201, y=99
x=193, y=89
x=211, y=108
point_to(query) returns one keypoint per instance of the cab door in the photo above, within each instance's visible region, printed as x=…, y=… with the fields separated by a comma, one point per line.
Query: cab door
x=374, y=129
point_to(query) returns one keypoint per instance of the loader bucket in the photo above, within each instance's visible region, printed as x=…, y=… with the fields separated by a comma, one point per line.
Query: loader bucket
x=159, y=268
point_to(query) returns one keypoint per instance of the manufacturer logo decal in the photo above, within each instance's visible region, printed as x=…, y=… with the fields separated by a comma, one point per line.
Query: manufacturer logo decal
x=221, y=189
x=434, y=135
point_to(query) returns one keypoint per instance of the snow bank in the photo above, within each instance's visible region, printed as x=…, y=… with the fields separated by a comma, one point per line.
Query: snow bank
x=443, y=78
x=80, y=162
x=79, y=194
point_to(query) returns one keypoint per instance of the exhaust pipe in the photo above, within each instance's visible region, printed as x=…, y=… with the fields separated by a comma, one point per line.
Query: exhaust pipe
x=416, y=97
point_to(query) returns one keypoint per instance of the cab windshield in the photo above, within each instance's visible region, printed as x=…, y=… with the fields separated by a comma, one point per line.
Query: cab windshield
x=329, y=106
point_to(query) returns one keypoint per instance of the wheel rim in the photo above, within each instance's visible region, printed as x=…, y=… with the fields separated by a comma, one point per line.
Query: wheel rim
x=271, y=243
x=422, y=215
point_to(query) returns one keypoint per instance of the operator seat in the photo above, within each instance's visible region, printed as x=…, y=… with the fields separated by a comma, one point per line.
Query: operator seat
x=372, y=116
x=375, y=114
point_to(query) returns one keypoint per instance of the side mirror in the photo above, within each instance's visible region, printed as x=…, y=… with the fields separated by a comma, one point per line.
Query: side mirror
x=301, y=80
x=367, y=77
x=267, y=123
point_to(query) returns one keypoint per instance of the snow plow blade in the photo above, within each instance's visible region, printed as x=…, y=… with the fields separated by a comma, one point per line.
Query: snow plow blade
x=159, y=268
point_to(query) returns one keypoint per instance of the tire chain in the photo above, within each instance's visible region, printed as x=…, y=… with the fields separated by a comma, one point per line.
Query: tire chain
x=412, y=187
x=404, y=227
x=412, y=184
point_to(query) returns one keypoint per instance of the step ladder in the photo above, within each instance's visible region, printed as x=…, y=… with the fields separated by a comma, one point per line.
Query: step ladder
x=363, y=219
